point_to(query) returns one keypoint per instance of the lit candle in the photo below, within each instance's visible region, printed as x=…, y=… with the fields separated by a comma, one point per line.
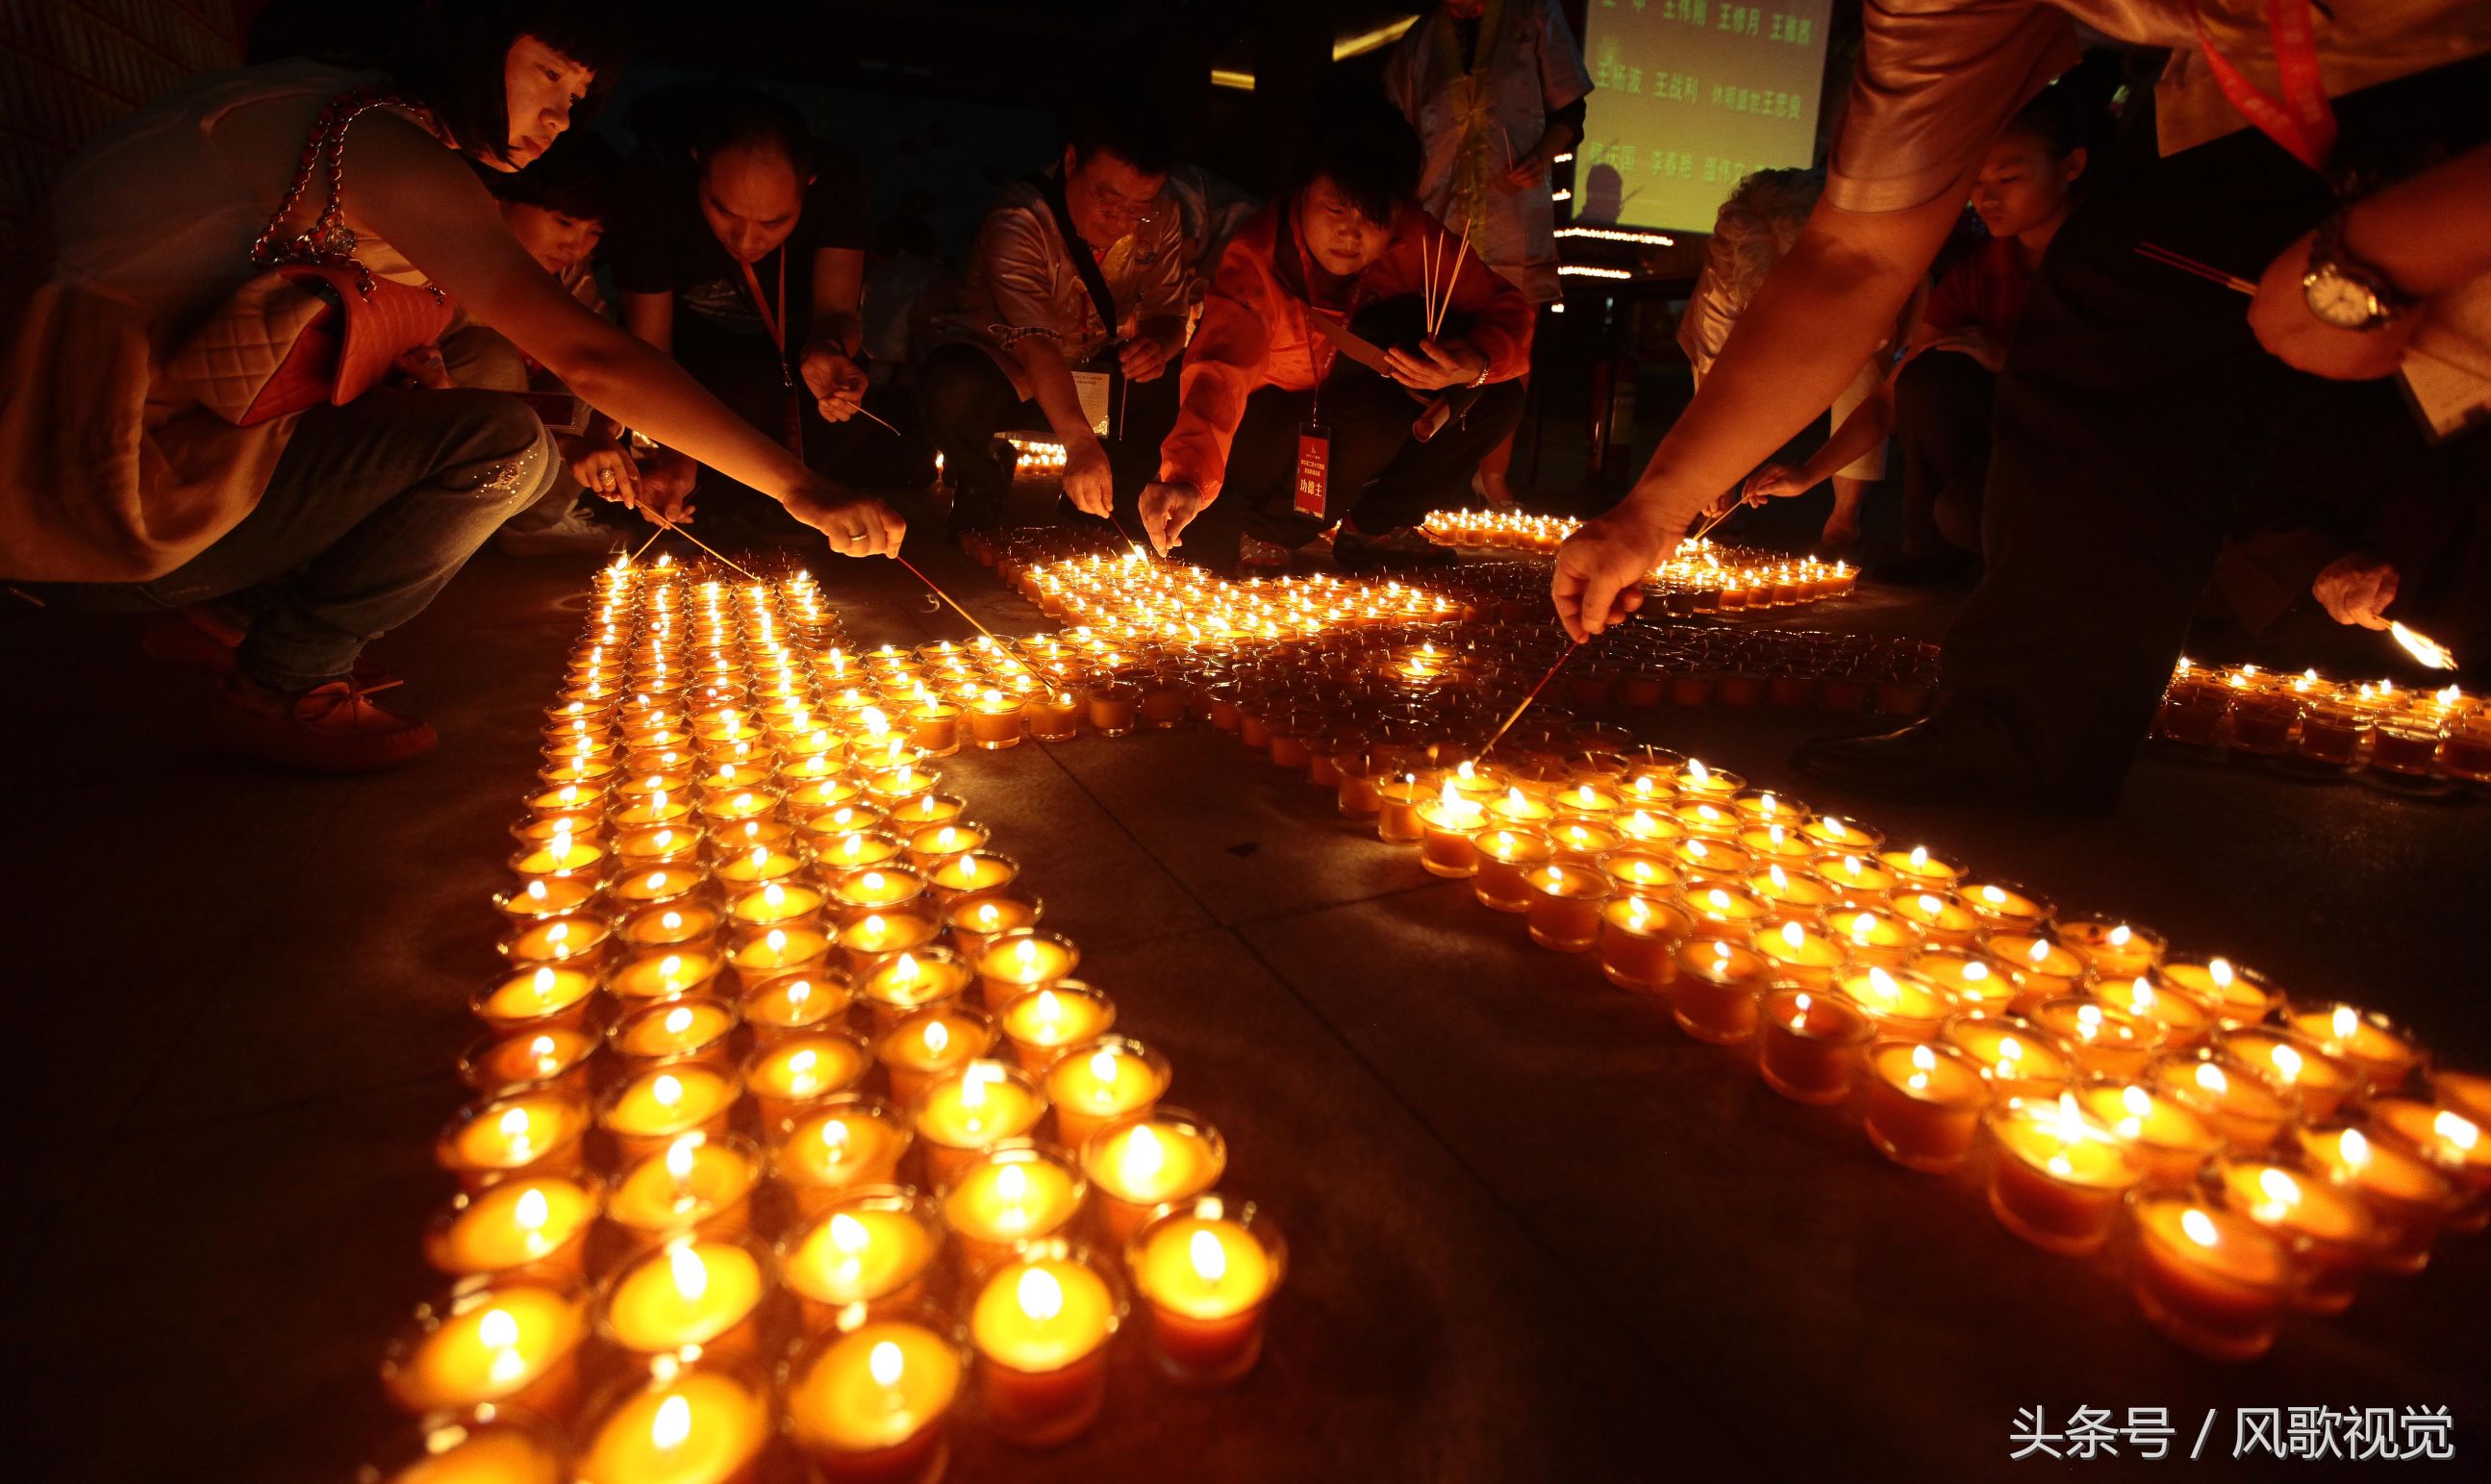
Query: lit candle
x=1396, y=809
x=1040, y=1023
x=1096, y=1083
x=1923, y=1104
x=479, y=1445
x=1974, y=981
x=2238, y=995
x=498, y=1342
x=690, y=1291
x=876, y=888
x=1582, y=840
x=545, y=896
x=1564, y=908
x=1871, y=937
x=2184, y=1019
x=536, y=1132
x=2409, y=1198
x=700, y=1183
x=793, y=1073
x=1636, y=936
x=930, y=1044
x=2295, y=1064
x=646, y=1113
x=1810, y=1045
x=529, y=1224
x=2383, y=1052
x=965, y=871
x=1902, y=1004
x=796, y=1003
x=554, y=1060
x=2329, y=1232
x=2061, y=1174
x=967, y=1111
x=2117, y=950
x=776, y=904
x=1642, y=873
x=1794, y=895
x=2015, y=1057
x=1142, y=1163
x=1800, y=954
x=872, y=1405
x=1012, y=1193
x=2451, y=1142
x=1206, y=1271
x=575, y=939
x=845, y=1142
x=2243, y=1106
x=699, y=1424
x=1943, y=918
x=2108, y=1040
x=912, y=981
x=981, y=916
x=691, y=1025
x=1920, y=869
x=2168, y=1133
x=781, y=951
x=1448, y=823
x=1718, y=982
x=869, y=941
x=874, y=1246
x=536, y=998
x=663, y=975
x=1506, y=855
x=2210, y=1278
x=2004, y=906
x=1040, y=1326
x=1018, y=962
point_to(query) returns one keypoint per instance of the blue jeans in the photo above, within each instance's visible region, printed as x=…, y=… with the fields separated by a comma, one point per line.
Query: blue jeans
x=371, y=511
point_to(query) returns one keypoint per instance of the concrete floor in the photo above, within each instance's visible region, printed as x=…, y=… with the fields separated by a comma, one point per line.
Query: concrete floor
x=1536, y=1231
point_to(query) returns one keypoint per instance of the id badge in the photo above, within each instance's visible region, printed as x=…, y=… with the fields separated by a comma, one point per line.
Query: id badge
x=1091, y=387
x=1314, y=468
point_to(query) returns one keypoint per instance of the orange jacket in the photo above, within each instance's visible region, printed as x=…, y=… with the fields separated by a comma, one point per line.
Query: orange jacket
x=1254, y=331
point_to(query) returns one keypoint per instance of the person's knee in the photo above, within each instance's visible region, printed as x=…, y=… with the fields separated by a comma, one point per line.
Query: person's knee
x=485, y=360
x=500, y=451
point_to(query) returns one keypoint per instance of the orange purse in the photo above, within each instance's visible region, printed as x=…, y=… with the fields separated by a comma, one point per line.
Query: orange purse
x=314, y=325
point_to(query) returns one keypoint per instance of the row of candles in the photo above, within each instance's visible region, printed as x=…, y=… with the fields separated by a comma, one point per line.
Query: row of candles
x=2398, y=733
x=794, y=1133
x=1701, y=576
x=2264, y=1152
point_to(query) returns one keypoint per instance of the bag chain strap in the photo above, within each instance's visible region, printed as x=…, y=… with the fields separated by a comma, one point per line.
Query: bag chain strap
x=329, y=242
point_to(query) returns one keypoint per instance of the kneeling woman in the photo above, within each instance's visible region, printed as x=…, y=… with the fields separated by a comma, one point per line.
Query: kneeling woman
x=332, y=526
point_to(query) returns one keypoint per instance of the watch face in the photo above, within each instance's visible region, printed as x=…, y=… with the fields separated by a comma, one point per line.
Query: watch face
x=2340, y=300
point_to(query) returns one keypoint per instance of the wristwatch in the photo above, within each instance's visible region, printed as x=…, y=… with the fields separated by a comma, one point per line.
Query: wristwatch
x=2341, y=290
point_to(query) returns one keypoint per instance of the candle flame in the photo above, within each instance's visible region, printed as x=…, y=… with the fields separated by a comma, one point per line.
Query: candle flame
x=1012, y=1185
x=1039, y=1295
x=2210, y=1078
x=847, y=1233
x=2346, y=1022
x=2199, y=1226
x=690, y=1273
x=1923, y=1063
x=1795, y=935
x=530, y=1212
x=672, y=1425
x=884, y=1362
x=1209, y=1260
x=1143, y=1158
x=678, y=1020
x=496, y=1329
x=679, y=1159
x=2287, y=1063
x=2355, y=1149
x=667, y=1090
x=938, y=1036
x=2455, y=1130
x=2278, y=1186
x=2425, y=650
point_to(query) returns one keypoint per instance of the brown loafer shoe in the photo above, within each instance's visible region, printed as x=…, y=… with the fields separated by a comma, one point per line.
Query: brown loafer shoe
x=332, y=728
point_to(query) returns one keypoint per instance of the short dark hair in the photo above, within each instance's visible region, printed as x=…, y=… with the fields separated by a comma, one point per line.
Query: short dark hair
x=1131, y=130
x=1370, y=153
x=449, y=55
x=2057, y=120
x=581, y=176
x=747, y=117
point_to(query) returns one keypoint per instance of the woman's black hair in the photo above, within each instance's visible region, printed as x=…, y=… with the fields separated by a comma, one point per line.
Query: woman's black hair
x=1367, y=151
x=2057, y=120
x=580, y=177
x=449, y=56
x=745, y=118
x=1133, y=130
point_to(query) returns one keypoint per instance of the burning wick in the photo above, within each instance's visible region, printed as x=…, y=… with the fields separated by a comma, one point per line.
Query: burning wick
x=2422, y=648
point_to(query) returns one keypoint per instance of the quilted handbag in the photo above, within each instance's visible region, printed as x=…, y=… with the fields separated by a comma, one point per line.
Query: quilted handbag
x=313, y=325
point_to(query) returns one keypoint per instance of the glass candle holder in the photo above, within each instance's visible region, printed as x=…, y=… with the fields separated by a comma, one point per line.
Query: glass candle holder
x=527, y=1225
x=2237, y=994
x=1923, y=1104
x=2384, y=1052
x=793, y=1073
x=1055, y=716
x=553, y=1060
x=494, y=1443
x=537, y=998
x=876, y=1245
x=2114, y=950
x=1448, y=825
x=883, y=889
x=2060, y=1176
x=1115, y=708
x=934, y=727
x=2006, y=907
x=1800, y=954
x=1506, y=855
x=664, y=976
x=1013, y=1192
x=683, y=1027
x=776, y=904
x=2182, y=1020
x=1584, y=840
x=1100, y=1082
x=2245, y=1109
x=505, y=1342
x=983, y=1103
x=700, y=1183
x=1810, y=1045
x=2408, y=1199
x=688, y=1291
x=2108, y=1040
x=1041, y=1324
x=2207, y=1277
x=967, y=869
x=1903, y=1006
x=2167, y=1132
x=1564, y=907
x=1973, y=980
x=1140, y=1163
x=1039, y=1023
x=1397, y=797
x=902, y=984
x=645, y=1112
x=846, y=1142
x=930, y=1044
x=536, y=1133
x=1716, y=984
x=1013, y=964
x=1944, y=919
x=1206, y=1269
x=870, y=1400
x=793, y=1003
x=869, y=942
x=2329, y=1232
x=2452, y=1143
x=705, y=1422
x=573, y=939
x=978, y=918
x=778, y=952
x=2017, y=1057
x=2295, y=1065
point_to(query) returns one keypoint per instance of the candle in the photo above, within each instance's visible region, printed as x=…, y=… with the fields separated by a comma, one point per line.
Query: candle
x=2385, y=1054
x=2117, y=950
x=1920, y=869
x=2295, y=1064
x=1923, y=1103
x=1843, y=836
x=1641, y=873
x=2210, y=1278
x=528, y=1224
x=1871, y=937
x=1055, y=716
x=478, y=1445
x=1713, y=861
x=2004, y=906
x=1800, y=954
x=1944, y=919
x=536, y=1132
x=911, y=983
x=545, y=896
x=690, y=1026
x=2246, y=1110
x=2327, y=1231
x=1040, y=1326
x=2238, y=995
x=776, y=904
x=2185, y=1020
x=969, y=870
x=1720, y=905
x=930, y=1044
x=2015, y=1057
x=1810, y=1045
x=874, y=1245
x=781, y=951
x=980, y=918
x=934, y=727
x=700, y=1183
x=650, y=1111
x=868, y=940
x=928, y=809
x=1040, y=1023
x=1396, y=810
x=795, y=1071
x=503, y=1341
x=575, y=939
x=858, y=850
x=1902, y=1004
x=2169, y=1134
x=659, y=884
x=565, y=855
x=1582, y=840
x=690, y=1291
x=2451, y=1142
x=757, y=864
x=1016, y=961
x=2061, y=1174
x=1012, y=1193
x=1793, y=894
x=795, y=1003
x=873, y=1405
x=1636, y=936
x=660, y=975
x=1973, y=981
x=1096, y=1083
x=875, y=889
x=697, y=1424
x=554, y=1060
x=2407, y=1197
x=847, y=1142
x=1115, y=708
x=1716, y=986
x=2043, y=968
x=2108, y=1040
x=1564, y=907
x=1448, y=823
x=1142, y=1163
x=965, y=1112
x=1505, y=857
x=1205, y=1271
x=536, y=998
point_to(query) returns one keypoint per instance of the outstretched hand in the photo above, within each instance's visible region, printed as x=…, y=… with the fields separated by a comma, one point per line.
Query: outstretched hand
x=1599, y=578
x=1167, y=509
x=857, y=525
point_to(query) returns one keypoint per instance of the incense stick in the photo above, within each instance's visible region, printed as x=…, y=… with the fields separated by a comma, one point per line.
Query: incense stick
x=654, y=538
x=2154, y=252
x=945, y=597
x=862, y=413
x=1534, y=695
x=702, y=544
x=1447, y=302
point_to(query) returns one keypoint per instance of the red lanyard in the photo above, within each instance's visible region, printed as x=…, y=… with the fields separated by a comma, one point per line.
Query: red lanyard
x=777, y=328
x=2302, y=121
